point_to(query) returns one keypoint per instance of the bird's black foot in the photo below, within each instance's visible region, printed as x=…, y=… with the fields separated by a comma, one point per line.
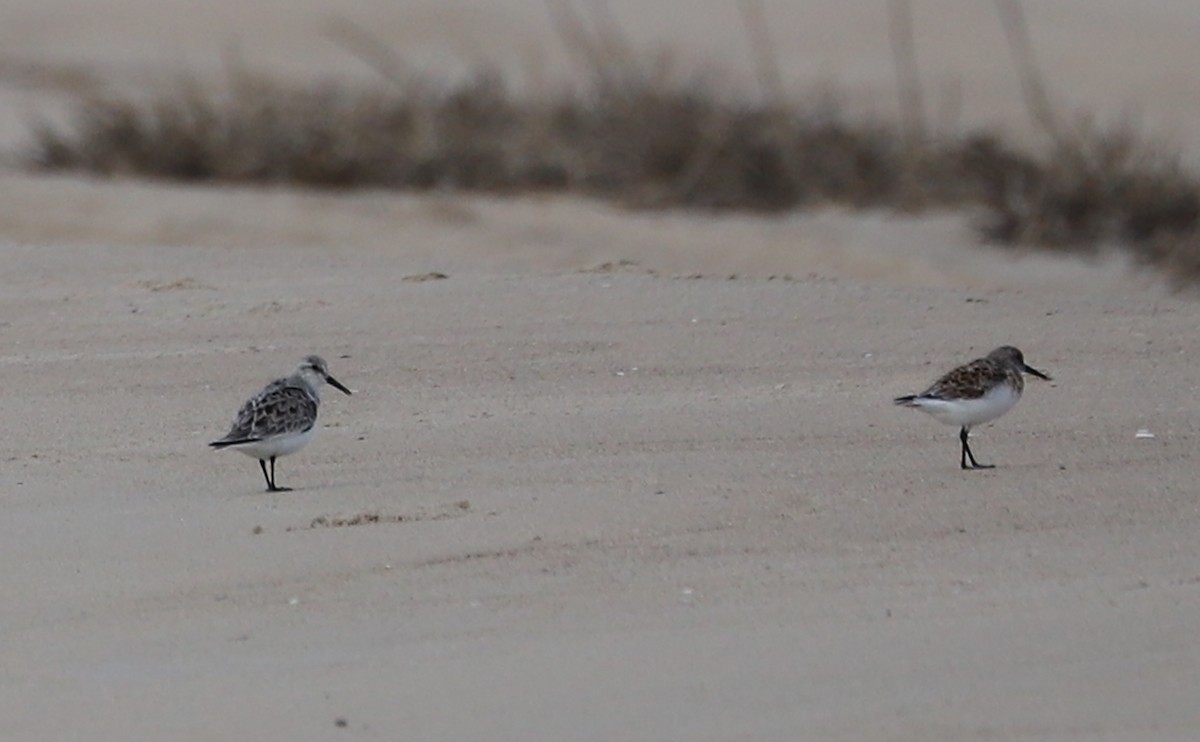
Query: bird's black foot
x=975, y=465
x=275, y=488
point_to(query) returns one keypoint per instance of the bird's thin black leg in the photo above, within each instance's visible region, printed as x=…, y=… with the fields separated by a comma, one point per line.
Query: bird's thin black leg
x=966, y=453
x=276, y=488
x=270, y=484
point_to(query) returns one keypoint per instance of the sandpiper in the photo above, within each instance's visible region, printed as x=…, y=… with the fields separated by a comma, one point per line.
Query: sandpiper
x=282, y=418
x=975, y=393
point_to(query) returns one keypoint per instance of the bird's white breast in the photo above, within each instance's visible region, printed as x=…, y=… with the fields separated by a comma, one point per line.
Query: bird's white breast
x=278, y=445
x=968, y=412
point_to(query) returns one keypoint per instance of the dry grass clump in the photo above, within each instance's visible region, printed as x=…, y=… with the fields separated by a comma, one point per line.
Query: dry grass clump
x=643, y=141
x=1094, y=187
x=257, y=131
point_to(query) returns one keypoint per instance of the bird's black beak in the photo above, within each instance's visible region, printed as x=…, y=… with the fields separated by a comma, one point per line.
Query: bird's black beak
x=338, y=385
x=1035, y=372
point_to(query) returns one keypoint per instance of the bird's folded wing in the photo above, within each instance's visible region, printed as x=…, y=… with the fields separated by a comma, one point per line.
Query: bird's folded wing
x=970, y=381
x=278, y=409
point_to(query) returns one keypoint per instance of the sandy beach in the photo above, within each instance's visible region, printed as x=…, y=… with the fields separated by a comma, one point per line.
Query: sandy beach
x=605, y=475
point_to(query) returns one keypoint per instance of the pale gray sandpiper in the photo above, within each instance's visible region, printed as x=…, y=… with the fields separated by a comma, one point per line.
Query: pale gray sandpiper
x=282, y=418
x=975, y=393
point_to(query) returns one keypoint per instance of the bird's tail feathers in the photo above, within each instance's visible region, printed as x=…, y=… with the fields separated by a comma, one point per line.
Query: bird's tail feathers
x=226, y=442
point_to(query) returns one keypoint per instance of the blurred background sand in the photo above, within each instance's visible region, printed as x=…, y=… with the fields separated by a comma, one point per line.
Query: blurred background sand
x=1112, y=60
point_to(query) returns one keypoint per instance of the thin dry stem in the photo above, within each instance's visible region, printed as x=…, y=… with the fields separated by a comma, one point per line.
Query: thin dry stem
x=1029, y=74
x=908, y=79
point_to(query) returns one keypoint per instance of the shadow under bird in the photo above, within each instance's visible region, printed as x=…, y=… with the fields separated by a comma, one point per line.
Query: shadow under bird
x=975, y=393
x=282, y=418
